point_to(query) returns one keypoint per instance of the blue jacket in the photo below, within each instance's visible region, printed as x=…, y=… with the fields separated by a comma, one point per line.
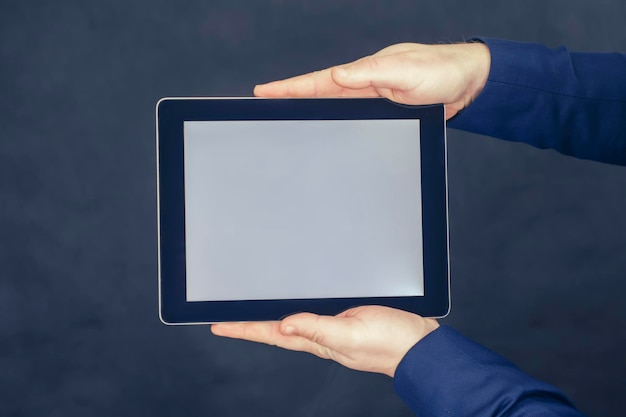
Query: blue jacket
x=574, y=103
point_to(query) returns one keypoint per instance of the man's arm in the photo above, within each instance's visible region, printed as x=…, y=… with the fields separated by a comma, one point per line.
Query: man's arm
x=446, y=374
x=551, y=98
x=436, y=370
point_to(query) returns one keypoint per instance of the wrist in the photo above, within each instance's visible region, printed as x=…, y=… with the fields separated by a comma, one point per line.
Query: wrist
x=422, y=328
x=479, y=61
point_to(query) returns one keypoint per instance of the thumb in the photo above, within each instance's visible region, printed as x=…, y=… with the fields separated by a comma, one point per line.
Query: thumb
x=374, y=71
x=328, y=331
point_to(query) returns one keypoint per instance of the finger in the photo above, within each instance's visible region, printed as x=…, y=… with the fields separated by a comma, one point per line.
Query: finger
x=314, y=84
x=269, y=333
x=377, y=72
x=351, y=312
x=263, y=332
x=333, y=333
x=398, y=48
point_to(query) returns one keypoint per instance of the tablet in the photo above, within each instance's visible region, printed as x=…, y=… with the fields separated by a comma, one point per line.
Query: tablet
x=270, y=207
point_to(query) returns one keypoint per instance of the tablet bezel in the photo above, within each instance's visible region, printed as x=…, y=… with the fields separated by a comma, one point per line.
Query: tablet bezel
x=172, y=112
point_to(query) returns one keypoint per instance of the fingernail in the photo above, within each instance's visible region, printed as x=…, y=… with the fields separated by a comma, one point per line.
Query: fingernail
x=289, y=330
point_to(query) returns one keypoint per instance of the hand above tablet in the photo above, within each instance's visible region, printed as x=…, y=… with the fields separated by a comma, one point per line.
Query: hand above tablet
x=368, y=338
x=406, y=73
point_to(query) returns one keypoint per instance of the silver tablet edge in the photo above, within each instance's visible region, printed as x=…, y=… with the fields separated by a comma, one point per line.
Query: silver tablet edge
x=445, y=161
x=445, y=142
x=156, y=111
x=159, y=200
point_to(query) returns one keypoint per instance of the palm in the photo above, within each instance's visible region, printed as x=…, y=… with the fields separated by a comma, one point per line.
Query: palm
x=367, y=338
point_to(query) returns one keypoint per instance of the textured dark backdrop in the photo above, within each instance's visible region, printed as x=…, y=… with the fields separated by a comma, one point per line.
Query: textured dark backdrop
x=537, y=238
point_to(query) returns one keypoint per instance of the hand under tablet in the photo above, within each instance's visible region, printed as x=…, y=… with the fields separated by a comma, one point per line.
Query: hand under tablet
x=358, y=338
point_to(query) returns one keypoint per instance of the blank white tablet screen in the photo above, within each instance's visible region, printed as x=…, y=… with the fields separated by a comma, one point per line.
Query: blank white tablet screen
x=302, y=209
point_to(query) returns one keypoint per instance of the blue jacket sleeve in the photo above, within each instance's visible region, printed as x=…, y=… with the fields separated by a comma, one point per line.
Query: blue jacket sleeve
x=446, y=374
x=551, y=98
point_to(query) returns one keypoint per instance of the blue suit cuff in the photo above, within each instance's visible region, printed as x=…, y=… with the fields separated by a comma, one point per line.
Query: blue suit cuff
x=446, y=374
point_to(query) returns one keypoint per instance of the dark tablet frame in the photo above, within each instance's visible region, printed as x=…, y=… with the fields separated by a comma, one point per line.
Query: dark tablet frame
x=171, y=115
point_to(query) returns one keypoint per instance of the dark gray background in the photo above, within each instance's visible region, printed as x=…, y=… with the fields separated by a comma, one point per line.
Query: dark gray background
x=537, y=238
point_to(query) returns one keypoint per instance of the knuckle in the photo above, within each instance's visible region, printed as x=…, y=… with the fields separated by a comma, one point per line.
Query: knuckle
x=245, y=332
x=372, y=63
x=316, y=335
x=322, y=352
x=318, y=338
